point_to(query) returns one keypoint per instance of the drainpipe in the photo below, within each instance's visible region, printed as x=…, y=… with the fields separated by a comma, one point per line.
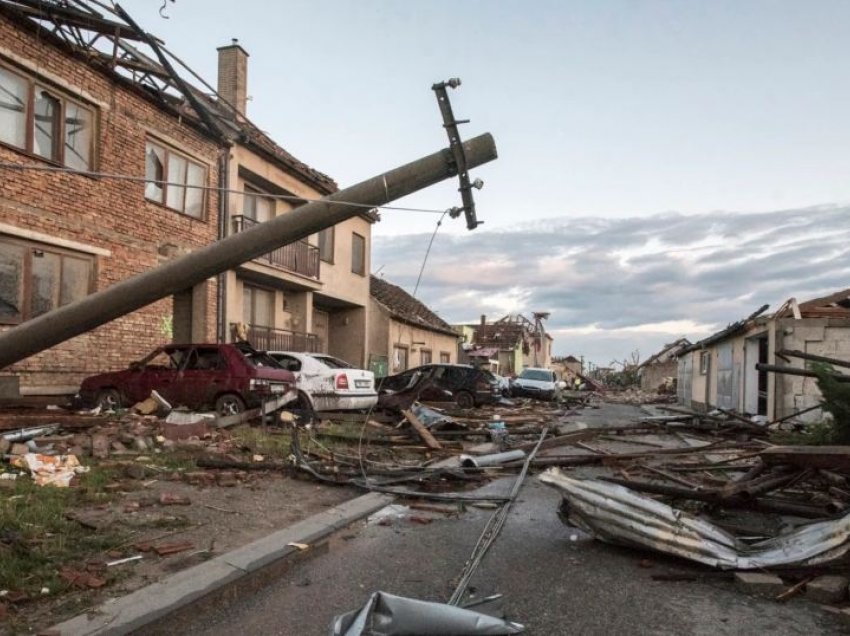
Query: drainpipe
x=223, y=218
x=185, y=272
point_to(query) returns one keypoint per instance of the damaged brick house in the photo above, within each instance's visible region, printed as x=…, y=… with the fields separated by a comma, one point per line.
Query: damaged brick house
x=404, y=333
x=65, y=235
x=83, y=89
x=720, y=371
x=312, y=295
x=513, y=341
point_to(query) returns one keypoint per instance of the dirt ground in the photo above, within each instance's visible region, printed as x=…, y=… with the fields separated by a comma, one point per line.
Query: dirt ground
x=199, y=514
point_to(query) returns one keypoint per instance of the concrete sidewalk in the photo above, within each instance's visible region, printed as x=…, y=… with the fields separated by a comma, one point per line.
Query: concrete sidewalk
x=216, y=576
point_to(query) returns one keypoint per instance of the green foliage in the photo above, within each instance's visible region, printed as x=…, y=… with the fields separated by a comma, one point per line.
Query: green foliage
x=166, y=326
x=836, y=401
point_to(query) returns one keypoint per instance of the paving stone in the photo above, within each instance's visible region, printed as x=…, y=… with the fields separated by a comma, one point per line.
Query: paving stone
x=827, y=589
x=760, y=584
x=100, y=445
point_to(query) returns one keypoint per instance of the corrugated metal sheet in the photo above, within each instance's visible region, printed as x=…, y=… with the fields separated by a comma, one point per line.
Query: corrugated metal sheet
x=616, y=514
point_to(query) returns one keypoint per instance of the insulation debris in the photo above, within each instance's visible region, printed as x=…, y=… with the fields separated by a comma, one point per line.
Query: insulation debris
x=50, y=470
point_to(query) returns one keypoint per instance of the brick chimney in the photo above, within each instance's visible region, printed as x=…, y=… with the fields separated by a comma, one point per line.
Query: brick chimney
x=233, y=75
x=483, y=319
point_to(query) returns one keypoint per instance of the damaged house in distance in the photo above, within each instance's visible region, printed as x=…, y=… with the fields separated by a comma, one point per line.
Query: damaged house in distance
x=404, y=332
x=508, y=345
x=758, y=365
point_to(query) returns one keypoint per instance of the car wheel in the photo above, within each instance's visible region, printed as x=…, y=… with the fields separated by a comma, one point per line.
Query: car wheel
x=304, y=407
x=229, y=404
x=464, y=399
x=108, y=399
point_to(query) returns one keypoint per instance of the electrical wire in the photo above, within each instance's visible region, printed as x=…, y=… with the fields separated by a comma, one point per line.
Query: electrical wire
x=493, y=527
x=284, y=197
x=427, y=252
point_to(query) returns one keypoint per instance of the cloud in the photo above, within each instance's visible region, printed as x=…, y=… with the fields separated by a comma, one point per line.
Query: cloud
x=614, y=285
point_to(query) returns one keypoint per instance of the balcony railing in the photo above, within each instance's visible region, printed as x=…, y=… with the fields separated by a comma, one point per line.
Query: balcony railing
x=300, y=257
x=270, y=339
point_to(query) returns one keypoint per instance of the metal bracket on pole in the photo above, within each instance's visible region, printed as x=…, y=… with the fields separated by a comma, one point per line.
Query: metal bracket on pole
x=456, y=146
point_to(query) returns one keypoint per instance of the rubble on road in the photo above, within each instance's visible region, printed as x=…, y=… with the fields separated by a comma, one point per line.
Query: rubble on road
x=708, y=487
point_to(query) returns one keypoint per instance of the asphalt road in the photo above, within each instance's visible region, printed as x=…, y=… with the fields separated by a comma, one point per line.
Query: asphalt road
x=555, y=579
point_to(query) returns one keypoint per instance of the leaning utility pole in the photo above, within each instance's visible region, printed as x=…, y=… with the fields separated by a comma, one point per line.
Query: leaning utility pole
x=64, y=323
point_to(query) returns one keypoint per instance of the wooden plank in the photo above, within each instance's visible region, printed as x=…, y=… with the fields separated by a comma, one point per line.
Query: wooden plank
x=422, y=431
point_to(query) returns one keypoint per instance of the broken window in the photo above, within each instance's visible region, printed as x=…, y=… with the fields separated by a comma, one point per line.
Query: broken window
x=78, y=136
x=13, y=99
x=399, y=359
x=326, y=244
x=44, y=122
x=257, y=207
x=704, y=362
x=257, y=306
x=11, y=283
x=183, y=190
x=35, y=279
x=358, y=254
x=154, y=172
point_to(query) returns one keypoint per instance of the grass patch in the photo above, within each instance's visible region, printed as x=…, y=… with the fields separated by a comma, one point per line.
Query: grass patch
x=176, y=461
x=272, y=443
x=816, y=434
x=36, y=537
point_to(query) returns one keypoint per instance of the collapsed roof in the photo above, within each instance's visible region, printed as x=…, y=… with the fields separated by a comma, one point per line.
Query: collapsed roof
x=105, y=37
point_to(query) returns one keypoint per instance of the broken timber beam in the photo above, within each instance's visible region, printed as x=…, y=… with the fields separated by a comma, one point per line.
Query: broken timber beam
x=793, y=353
x=422, y=431
x=829, y=457
x=774, y=368
x=185, y=272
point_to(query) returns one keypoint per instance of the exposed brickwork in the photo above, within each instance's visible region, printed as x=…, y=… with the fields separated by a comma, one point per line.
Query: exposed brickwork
x=106, y=213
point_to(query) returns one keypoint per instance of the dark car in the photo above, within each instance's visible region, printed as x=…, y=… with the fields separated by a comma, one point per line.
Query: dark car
x=465, y=385
x=227, y=377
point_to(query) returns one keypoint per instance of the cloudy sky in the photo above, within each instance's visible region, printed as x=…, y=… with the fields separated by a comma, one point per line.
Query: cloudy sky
x=665, y=167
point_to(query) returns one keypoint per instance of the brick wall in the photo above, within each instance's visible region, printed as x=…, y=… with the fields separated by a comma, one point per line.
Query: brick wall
x=105, y=213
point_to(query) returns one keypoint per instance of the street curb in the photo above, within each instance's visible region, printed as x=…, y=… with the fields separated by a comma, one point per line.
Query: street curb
x=145, y=606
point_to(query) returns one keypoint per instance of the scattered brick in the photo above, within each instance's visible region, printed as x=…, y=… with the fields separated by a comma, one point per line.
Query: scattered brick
x=173, y=547
x=827, y=589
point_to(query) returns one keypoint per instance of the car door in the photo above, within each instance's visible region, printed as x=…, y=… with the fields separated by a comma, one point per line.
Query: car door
x=201, y=378
x=158, y=372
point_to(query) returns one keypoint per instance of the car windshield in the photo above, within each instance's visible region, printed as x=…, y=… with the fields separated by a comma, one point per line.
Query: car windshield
x=536, y=374
x=261, y=359
x=333, y=363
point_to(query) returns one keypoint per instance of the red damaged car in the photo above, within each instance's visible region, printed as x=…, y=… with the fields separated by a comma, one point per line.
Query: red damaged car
x=227, y=377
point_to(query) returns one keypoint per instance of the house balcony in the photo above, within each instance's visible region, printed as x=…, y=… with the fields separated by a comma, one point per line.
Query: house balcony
x=299, y=257
x=270, y=339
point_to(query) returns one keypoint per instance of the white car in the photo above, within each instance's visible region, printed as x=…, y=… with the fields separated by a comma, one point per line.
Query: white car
x=542, y=384
x=328, y=383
